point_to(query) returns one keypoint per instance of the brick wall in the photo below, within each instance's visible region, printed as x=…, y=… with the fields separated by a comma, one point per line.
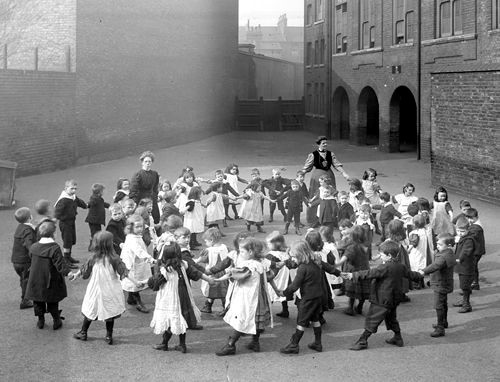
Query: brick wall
x=37, y=113
x=465, y=115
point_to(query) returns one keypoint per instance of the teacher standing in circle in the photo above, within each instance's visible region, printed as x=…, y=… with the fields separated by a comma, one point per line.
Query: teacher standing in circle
x=320, y=162
x=144, y=184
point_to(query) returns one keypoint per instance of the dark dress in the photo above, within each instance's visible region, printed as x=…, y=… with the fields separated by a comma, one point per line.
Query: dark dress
x=117, y=228
x=144, y=184
x=357, y=260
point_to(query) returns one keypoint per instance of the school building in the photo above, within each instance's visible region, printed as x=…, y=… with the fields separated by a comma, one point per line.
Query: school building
x=410, y=75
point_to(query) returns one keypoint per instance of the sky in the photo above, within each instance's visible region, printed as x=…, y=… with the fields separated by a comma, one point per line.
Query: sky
x=267, y=12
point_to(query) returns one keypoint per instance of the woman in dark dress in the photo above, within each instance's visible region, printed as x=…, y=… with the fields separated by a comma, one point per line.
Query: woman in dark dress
x=144, y=184
x=46, y=286
x=320, y=162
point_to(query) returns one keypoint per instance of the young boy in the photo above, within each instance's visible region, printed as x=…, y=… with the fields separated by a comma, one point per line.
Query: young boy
x=24, y=237
x=42, y=208
x=295, y=197
x=464, y=252
x=387, y=280
x=276, y=186
x=476, y=230
x=65, y=212
x=346, y=210
x=441, y=271
x=464, y=206
x=387, y=213
x=117, y=227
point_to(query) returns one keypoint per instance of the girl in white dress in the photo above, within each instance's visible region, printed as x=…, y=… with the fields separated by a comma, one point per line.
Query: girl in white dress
x=420, y=248
x=194, y=215
x=232, y=175
x=215, y=206
x=404, y=200
x=251, y=208
x=103, y=299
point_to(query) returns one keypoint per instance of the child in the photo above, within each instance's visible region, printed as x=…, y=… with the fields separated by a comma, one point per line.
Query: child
x=372, y=190
x=464, y=206
x=213, y=255
x=226, y=188
x=329, y=247
x=128, y=208
x=464, y=252
x=294, y=198
x=103, y=299
x=404, y=200
x=396, y=232
x=97, y=211
x=174, y=312
x=356, y=259
x=442, y=213
x=215, y=206
x=300, y=179
x=364, y=221
x=276, y=186
x=232, y=175
x=278, y=255
x=476, y=230
x=386, y=283
x=137, y=259
x=24, y=237
x=168, y=207
x=310, y=281
x=251, y=208
x=345, y=227
x=42, y=208
x=165, y=187
x=122, y=190
x=355, y=193
x=387, y=214
x=46, y=286
x=441, y=271
x=117, y=227
x=188, y=182
x=419, y=250
x=65, y=212
x=346, y=210
x=194, y=215
x=328, y=208
x=249, y=310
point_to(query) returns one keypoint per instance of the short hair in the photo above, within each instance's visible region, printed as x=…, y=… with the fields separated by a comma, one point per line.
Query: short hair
x=385, y=196
x=276, y=170
x=365, y=208
x=147, y=154
x=254, y=185
x=326, y=233
x=301, y=172
x=329, y=188
x=412, y=209
x=326, y=179
x=396, y=230
x=253, y=245
x=47, y=229
x=320, y=139
x=343, y=193
x=219, y=172
x=239, y=237
x=119, y=183
x=22, y=215
x=439, y=190
x=355, y=185
x=127, y=202
x=212, y=234
x=464, y=203
x=294, y=183
x=70, y=183
x=42, y=207
x=447, y=239
x=345, y=223
x=390, y=248
x=304, y=253
x=97, y=189
x=195, y=193
x=462, y=223
x=255, y=171
x=369, y=171
x=145, y=201
x=313, y=238
x=182, y=231
x=143, y=212
x=132, y=221
x=419, y=221
x=423, y=204
x=471, y=213
x=407, y=185
x=358, y=234
x=277, y=240
x=169, y=196
x=171, y=223
x=115, y=207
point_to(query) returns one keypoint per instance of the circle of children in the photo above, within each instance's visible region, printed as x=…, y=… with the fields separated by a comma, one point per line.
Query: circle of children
x=135, y=252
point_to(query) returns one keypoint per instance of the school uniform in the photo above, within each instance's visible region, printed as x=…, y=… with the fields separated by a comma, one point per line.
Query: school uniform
x=24, y=237
x=276, y=188
x=477, y=232
x=346, y=211
x=96, y=216
x=65, y=211
x=117, y=228
x=328, y=211
x=387, y=214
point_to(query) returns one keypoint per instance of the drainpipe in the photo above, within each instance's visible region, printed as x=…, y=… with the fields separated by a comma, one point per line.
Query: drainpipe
x=328, y=89
x=419, y=79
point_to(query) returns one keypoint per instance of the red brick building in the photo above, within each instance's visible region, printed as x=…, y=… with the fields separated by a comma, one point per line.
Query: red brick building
x=410, y=75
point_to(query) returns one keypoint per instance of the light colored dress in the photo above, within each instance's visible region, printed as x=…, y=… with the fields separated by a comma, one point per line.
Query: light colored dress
x=282, y=278
x=441, y=220
x=168, y=312
x=403, y=203
x=232, y=179
x=104, y=296
x=214, y=255
x=215, y=210
x=195, y=220
x=251, y=208
x=135, y=256
x=327, y=248
x=371, y=190
x=418, y=253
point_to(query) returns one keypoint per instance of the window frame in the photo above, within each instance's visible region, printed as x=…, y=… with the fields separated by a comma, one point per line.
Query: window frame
x=341, y=27
x=366, y=22
x=402, y=11
x=495, y=14
x=453, y=23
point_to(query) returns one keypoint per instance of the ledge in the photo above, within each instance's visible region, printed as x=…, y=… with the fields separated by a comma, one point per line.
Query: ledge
x=445, y=40
x=319, y=22
x=366, y=51
x=405, y=45
x=494, y=32
x=339, y=54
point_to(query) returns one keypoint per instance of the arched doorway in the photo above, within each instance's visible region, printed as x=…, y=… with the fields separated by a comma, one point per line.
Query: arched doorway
x=403, y=123
x=340, y=117
x=368, y=112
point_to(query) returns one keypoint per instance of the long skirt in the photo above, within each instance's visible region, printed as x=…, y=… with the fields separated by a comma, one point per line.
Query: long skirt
x=311, y=214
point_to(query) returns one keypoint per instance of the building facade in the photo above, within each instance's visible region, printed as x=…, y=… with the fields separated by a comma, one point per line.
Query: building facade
x=387, y=63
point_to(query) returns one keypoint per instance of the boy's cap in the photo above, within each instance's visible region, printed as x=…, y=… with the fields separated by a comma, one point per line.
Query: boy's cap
x=462, y=223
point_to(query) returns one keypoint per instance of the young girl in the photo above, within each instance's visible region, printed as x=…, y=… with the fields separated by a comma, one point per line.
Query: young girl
x=251, y=208
x=355, y=258
x=103, y=299
x=329, y=246
x=310, y=281
x=122, y=190
x=128, y=208
x=215, y=206
x=249, y=310
x=355, y=193
x=278, y=255
x=137, y=259
x=188, y=182
x=364, y=221
x=419, y=250
x=213, y=255
x=372, y=191
x=194, y=215
x=96, y=216
x=165, y=186
x=442, y=213
x=232, y=174
x=404, y=200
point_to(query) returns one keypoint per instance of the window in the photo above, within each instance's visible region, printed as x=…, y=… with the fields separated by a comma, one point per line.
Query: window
x=367, y=22
x=449, y=18
x=404, y=21
x=309, y=53
x=309, y=14
x=319, y=10
x=322, y=99
x=316, y=98
x=495, y=14
x=309, y=98
x=322, y=48
x=316, y=52
x=341, y=26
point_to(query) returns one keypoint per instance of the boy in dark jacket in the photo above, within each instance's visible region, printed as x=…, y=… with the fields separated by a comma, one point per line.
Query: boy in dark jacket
x=387, y=213
x=476, y=230
x=97, y=211
x=464, y=252
x=441, y=271
x=276, y=186
x=295, y=197
x=117, y=227
x=65, y=212
x=386, y=293
x=24, y=237
x=346, y=210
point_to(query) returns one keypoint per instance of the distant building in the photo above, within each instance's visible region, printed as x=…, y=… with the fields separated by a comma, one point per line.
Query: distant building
x=280, y=41
x=381, y=79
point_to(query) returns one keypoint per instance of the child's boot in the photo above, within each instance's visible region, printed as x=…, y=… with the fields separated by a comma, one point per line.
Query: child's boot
x=466, y=307
x=70, y=261
x=41, y=321
x=293, y=346
x=207, y=308
x=316, y=345
x=254, y=345
x=56, y=316
x=350, y=309
x=131, y=300
x=109, y=331
x=362, y=342
x=164, y=344
x=259, y=228
x=297, y=230
x=140, y=306
x=285, y=232
x=230, y=347
x=284, y=310
x=439, y=328
x=359, y=307
x=396, y=340
x=25, y=304
x=82, y=334
x=182, y=343
x=271, y=216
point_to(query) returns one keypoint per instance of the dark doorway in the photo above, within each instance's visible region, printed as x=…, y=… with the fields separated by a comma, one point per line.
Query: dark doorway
x=340, y=117
x=403, y=124
x=368, y=110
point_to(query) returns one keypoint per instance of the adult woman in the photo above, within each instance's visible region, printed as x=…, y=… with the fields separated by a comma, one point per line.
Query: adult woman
x=320, y=162
x=144, y=184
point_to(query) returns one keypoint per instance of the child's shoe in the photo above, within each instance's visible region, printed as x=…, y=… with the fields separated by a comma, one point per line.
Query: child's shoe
x=25, y=304
x=475, y=286
x=57, y=324
x=41, y=322
x=396, y=340
x=291, y=348
x=207, y=308
x=228, y=349
x=254, y=345
x=259, y=229
x=182, y=344
x=164, y=344
x=359, y=345
x=438, y=332
x=109, y=339
x=445, y=325
x=81, y=335
x=297, y=231
x=316, y=345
